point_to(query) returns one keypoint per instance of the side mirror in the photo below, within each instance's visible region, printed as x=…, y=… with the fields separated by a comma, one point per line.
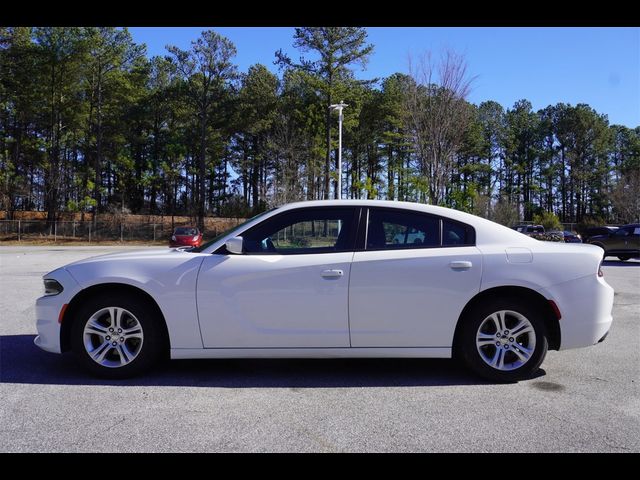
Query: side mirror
x=234, y=245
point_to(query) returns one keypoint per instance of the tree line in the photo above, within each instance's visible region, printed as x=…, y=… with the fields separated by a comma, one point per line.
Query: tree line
x=88, y=123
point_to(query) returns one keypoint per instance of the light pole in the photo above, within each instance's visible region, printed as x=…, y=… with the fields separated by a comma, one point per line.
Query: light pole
x=339, y=107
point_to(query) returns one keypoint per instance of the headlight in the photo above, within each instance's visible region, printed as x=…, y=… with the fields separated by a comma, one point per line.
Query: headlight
x=173, y=237
x=52, y=287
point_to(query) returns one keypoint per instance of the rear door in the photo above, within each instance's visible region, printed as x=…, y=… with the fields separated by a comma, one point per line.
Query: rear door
x=632, y=241
x=412, y=280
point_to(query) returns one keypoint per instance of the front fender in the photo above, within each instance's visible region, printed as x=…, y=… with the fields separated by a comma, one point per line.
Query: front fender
x=169, y=280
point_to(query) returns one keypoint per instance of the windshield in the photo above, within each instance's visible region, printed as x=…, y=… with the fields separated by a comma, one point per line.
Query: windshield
x=231, y=230
x=185, y=231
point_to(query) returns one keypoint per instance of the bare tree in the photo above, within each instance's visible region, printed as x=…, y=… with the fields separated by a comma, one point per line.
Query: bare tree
x=437, y=116
x=505, y=213
x=625, y=197
x=290, y=148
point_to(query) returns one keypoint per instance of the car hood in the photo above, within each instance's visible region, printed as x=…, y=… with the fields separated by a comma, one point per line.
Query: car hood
x=129, y=255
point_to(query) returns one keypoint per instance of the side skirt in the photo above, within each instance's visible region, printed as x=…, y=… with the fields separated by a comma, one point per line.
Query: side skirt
x=353, y=352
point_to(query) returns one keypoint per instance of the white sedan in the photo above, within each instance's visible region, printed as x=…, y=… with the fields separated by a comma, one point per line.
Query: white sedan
x=340, y=278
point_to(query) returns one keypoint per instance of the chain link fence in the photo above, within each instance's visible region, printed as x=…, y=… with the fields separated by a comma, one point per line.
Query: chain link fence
x=113, y=229
x=103, y=231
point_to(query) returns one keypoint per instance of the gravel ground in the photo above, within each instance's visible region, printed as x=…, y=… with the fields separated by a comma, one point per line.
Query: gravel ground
x=585, y=400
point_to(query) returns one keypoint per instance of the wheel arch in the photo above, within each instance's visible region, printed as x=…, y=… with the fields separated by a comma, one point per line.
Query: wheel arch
x=89, y=292
x=528, y=295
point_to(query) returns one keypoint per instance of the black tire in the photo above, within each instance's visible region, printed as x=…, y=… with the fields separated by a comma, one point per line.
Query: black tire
x=624, y=258
x=469, y=352
x=149, y=350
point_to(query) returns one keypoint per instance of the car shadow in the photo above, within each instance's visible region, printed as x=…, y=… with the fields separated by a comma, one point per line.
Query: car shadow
x=620, y=263
x=22, y=362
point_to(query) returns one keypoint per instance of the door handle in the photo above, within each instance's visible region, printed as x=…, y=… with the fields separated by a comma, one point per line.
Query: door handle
x=460, y=265
x=332, y=273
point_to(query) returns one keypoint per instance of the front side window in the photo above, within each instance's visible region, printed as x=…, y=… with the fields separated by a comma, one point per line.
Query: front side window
x=304, y=231
x=395, y=229
x=624, y=232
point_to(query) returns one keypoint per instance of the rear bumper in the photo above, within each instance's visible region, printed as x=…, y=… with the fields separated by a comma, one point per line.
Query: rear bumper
x=586, y=306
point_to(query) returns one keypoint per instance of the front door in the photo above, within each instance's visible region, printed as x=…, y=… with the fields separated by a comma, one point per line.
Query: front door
x=289, y=289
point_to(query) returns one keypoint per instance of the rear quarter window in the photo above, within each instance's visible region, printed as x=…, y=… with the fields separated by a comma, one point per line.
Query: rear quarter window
x=457, y=234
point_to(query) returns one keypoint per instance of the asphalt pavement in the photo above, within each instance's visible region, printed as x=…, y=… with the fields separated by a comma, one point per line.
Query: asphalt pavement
x=584, y=400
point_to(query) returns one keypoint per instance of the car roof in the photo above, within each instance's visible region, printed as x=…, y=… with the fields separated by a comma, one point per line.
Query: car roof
x=434, y=210
x=489, y=231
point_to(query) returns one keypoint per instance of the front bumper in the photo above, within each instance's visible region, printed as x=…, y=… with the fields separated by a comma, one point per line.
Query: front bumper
x=586, y=306
x=48, y=311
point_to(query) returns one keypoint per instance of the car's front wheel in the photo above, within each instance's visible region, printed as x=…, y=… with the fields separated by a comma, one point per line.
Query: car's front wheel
x=503, y=340
x=116, y=336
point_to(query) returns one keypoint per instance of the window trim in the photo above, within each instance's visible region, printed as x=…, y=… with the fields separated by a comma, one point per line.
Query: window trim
x=351, y=240
x=362, y=241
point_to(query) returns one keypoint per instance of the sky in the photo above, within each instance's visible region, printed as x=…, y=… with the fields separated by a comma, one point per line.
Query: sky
x=594, y=65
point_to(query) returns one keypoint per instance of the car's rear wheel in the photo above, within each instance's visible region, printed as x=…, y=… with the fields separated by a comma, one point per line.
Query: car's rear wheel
x=116, y=336
x=503, y=340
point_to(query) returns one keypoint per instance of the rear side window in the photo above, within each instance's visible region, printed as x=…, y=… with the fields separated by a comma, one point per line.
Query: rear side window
x=396, y=229
x=390, y=229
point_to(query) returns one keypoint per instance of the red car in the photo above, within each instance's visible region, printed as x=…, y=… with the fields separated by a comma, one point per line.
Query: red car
x=186, y=237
